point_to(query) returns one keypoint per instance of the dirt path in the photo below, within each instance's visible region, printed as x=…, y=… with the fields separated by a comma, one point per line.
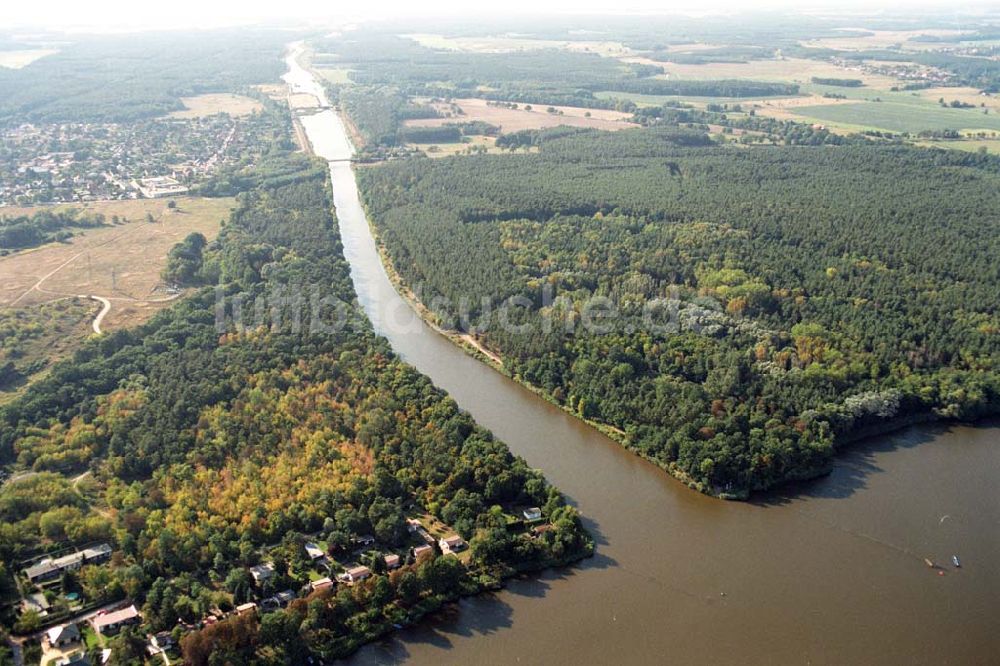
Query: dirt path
x=80, y=477
x=45, y=277
x=475, y=343
x=104, y=301
x=38, y=285
x=100, y=315
x=14, y=478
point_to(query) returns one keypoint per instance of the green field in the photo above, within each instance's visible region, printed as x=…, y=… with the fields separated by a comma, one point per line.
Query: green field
x=658, y=100
x=339, y=75
x=968, y=145
x=900, y=117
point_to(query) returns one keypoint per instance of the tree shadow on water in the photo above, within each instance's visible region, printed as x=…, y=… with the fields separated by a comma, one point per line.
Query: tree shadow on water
x=481, y=615
x=590, y=524
x=853, y=465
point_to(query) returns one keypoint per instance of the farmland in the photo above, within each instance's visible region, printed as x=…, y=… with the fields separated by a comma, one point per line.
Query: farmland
x=471, y=144
x=899, y=117
x=119, y=261
x=337, y=75
x=796, y=70
x=878, y=39
x=963, y=95
x=513, y=120
x=508, y=44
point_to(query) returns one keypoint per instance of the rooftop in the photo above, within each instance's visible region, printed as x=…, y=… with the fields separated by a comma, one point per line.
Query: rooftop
x=115, y=617
x=65, y=632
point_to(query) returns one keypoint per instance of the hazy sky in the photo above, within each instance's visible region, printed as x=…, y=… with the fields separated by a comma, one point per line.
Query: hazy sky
x=204, y=13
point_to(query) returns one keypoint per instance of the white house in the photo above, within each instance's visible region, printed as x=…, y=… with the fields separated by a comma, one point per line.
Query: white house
x=248, y=607
x=262, y=572
x=314, y=552
x=110, y=623
x=452, y=544
x=532, y=514
x=320, y=584
x=355, y=574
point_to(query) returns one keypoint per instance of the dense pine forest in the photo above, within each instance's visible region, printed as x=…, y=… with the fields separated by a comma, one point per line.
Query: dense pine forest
x=129, y=77
x=808, y=295
x=199, y=450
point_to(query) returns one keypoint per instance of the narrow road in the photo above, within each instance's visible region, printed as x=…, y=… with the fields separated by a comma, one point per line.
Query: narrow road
x=100, y=315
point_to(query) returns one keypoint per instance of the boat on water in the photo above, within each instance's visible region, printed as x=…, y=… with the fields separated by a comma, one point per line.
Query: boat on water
x=956, y=561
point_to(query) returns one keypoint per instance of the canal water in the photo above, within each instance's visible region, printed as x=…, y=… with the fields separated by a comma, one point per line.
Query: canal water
x=826, y=572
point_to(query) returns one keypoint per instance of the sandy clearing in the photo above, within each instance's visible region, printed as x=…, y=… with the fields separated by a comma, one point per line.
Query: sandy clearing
x=435, y=150
x=303, y=101
x=23, y=57
x=119, y=262
x=212, y=103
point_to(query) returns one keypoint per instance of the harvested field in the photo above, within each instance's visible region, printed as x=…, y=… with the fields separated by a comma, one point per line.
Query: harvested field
x=966, y=95
x=513, y=120
x=877, y=39
x=508, y=44
x=784, y=108
x=211, y=104
x=119, y=262
x=792, y=70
